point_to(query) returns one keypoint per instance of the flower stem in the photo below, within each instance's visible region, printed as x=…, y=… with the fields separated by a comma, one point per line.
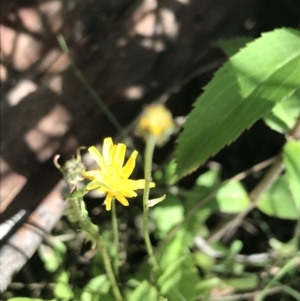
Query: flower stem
x=150, y=145
x=114, y=222
x=93, y=232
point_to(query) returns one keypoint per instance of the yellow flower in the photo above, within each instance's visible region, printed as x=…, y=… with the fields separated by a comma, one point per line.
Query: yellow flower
x=111, y=176
x=156, y=121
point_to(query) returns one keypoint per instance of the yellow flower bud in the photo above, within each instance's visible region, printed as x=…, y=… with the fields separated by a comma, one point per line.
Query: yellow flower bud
x=156, y=121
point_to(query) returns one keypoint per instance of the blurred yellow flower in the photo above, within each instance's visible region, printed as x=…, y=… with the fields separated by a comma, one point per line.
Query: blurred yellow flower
x=156, y=121
x=111, y=176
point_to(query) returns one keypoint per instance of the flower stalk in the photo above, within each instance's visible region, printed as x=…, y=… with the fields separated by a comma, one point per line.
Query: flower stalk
x=149, y=150
x=115, y=229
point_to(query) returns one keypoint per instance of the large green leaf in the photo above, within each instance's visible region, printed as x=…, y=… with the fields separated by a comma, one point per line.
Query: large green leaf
x=291, y=157
x=242, y=91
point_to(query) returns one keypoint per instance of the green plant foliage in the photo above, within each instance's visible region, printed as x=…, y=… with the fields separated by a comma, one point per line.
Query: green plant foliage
x=175, y=248
x=242, y=91
x=96, y=288
x=278, y=201
x=243, y=283
x=145, y=291
x=168, y=214
x=179, y=279
x=283, y=116
x=28, y=299
x=291, y=157
x=231, y=198
x=62, y=289
x=53, y=256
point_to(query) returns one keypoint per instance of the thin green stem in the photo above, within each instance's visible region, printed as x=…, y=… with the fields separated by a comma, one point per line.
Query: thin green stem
x=114, y=222
x=89, y=88
x=150, y=145
x=92, y=230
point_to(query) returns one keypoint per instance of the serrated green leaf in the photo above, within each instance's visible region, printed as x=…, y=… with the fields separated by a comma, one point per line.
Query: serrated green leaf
x=242, y=91
x=232, y=46
x=277, y=201
x=145, y=291
x=291, y=158
x=283, y=116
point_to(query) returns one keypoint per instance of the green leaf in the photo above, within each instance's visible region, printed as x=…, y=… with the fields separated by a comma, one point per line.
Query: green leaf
x=95, y=288
x=206, y=285
x=28, y=299
x=283, y=116
x=179, y=279
x=244, y=283
x=291, y=158
x=145, y=291
x=231, y=198
x=278, y=201
x=232, y=46
x=175, y=248
x=242, y=91
x=62, y=289
x=52, y=256
x=168, y=214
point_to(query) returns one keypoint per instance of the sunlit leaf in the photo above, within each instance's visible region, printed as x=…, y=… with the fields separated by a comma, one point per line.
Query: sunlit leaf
x=283, y=116
x=243, y=283
x=179, y=279
x=52, y=256
x=231, y=198
x=242, y=91
x=278, y=201
x=145, y=291
x=62, y=289
x=95, y=288
x=28, y=299
x=168, y=214
x=175, y=248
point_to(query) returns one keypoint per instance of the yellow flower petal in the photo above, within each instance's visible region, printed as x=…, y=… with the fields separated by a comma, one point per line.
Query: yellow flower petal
x=107, y=201
x=95, y=154
x=121, y=199
x=129, y=166
x=107, y=145
x=138, y=184
x=119, y=156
